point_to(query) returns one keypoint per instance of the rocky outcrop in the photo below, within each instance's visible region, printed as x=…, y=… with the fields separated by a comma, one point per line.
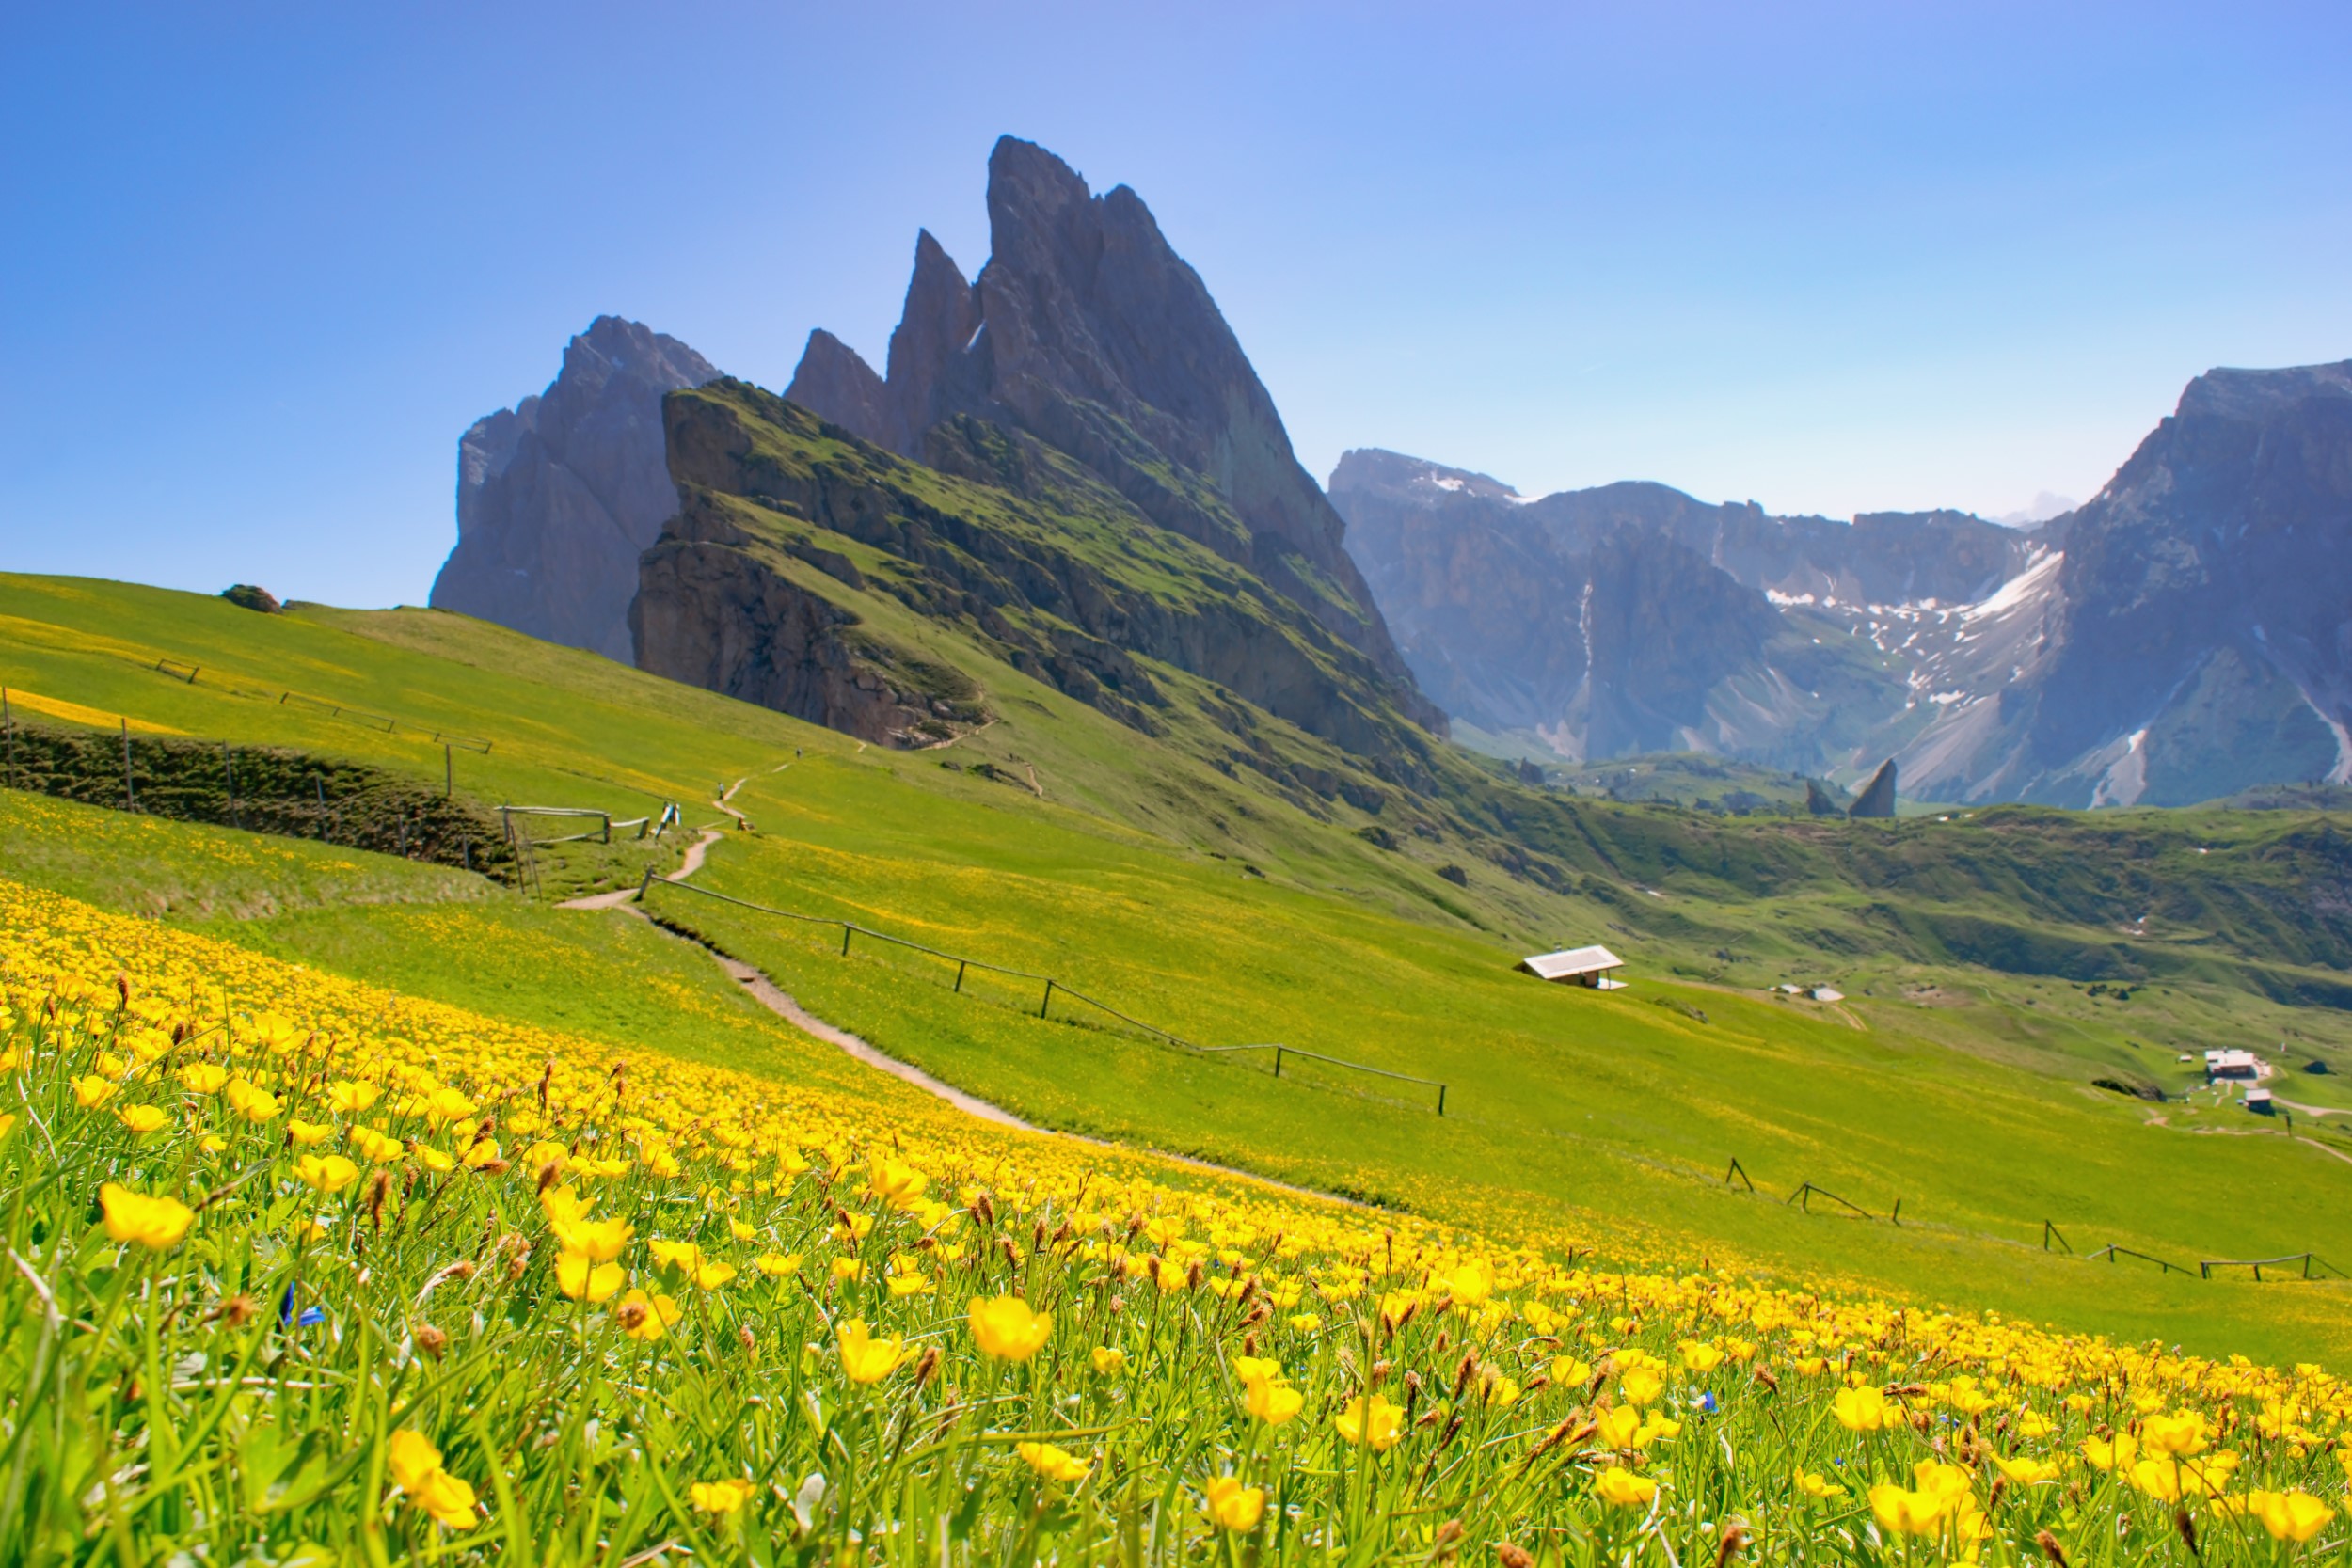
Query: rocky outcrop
x=1878, y=796
x=836, y=381
x=2194, y=634
x=1087, y=332
x=1026, y=554
x=558, y=496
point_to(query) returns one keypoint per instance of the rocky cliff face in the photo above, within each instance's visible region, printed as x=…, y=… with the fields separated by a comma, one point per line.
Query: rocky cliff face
x=1087, y=332
x=558, y=496
x=1019, y=554
x=2194, y=637
x=2184, y=635
x=1633, y=618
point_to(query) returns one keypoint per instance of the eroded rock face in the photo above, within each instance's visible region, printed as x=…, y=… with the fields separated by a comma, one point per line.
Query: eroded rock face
x=558, y=496
x=1089, y=332
x=2207, y=597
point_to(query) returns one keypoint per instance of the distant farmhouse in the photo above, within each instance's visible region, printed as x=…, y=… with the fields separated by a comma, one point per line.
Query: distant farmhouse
x=2232, y=1064
x=1576, y=966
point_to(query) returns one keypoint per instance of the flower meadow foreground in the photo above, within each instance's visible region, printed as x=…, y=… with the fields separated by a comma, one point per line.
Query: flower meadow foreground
x=302, y=1271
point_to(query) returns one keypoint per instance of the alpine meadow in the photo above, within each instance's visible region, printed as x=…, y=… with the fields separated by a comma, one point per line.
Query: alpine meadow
x=942, y=957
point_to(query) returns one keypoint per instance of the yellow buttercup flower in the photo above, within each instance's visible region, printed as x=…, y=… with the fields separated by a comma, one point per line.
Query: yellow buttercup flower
x=2289, y=1515
x=1900, y=1510
x=2177, y=1435
x=645, y=1317
x=352, y=1098
x=2028, y=1472
x=1233, y=1506
x=151, y=1222
x=93, y=1090
x=1109, y=1361
x=1006, y=1328
x=1621, y=1488
x=865, y=1359
x=1617, y=1427
x=144, y=1118
x=307, y=1134
x=1052, y=1463
x=1468, y=1286
x=1699, y=1356
x=416, y=1467
x=329, y=1173
x=579, y=1275
x=721, y=1497
x=251, y=1101
x=1860, y=1409
x=1641, y=1387
x=2112, y=1454
x=1813, y=1485
x=602, y=1240
x=204, y=1077
x=1371, y=1420
x=775, y=1265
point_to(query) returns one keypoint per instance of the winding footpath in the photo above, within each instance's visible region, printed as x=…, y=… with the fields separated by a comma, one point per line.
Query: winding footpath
x=776, y=1000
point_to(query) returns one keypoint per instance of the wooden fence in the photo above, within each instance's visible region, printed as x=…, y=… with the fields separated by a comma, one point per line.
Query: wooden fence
x=1049, y=987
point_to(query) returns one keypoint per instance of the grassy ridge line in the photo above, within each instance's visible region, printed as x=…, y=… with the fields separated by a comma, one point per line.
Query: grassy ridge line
x=533, y=1302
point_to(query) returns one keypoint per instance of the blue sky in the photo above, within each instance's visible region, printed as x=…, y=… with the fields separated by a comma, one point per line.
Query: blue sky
x=260, y=266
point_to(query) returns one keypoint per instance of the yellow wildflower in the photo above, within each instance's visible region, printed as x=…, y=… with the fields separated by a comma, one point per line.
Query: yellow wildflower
x=1372, y=1421
x=580, y=1276
x=151, y=1222
x=1006, y=1328
x=1233, y=1506
x=721, y=1497
x=1621, y=1488
x=865, y=1359
x=1052, y=1463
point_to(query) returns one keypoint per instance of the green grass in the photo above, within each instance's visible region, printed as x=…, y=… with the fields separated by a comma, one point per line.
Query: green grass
x=307, y=1272
x=1233, y=913
x=1605, y=1112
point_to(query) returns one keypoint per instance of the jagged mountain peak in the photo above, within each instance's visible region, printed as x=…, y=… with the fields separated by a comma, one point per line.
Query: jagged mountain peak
x=1087, y=331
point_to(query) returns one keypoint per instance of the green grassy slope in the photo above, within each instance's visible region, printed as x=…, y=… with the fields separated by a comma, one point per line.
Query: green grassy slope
x=1234, y=913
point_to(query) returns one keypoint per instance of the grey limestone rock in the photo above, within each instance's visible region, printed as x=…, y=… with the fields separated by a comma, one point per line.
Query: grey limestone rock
x=1087, y=331
x=558, y=496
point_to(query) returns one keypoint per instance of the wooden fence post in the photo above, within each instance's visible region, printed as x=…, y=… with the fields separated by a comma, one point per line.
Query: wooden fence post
x=1049, y=999
x=130, y=796
x=1277, y=1061
x=1442, y=1099
x=448, y=773
x=959, y=968
x=644, y=883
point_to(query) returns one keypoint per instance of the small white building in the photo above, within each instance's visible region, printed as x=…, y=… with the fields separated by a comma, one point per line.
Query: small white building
x=1826, y=993
x=2258, y=1102
x=2232, y=1064
x=1576, y=966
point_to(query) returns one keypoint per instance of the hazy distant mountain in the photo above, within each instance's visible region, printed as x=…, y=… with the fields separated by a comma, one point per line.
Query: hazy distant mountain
x=558, y=496
x=2044, y=507
x=1633, y=618
x=2184, y=635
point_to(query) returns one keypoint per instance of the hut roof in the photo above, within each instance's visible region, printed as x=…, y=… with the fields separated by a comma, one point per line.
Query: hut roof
x=1570, y=960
